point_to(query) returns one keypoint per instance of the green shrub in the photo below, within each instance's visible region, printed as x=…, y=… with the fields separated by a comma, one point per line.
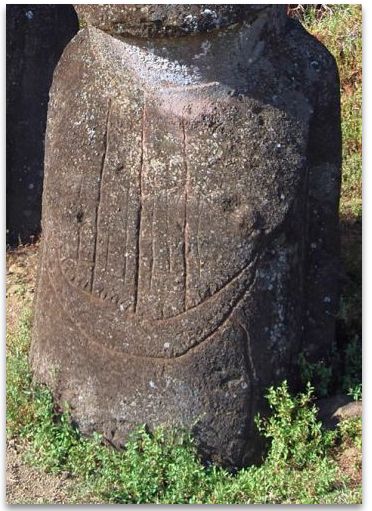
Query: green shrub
x=318, y=374
x=351, y=431
x=355, y=392
x=163, y=466
x=19, y=402
x=353, y=365
x=296, y=435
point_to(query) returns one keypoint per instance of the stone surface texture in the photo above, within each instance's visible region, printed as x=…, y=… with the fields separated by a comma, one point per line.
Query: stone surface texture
x=190, y=212
x=35, y=38
x=154, y=20
x=335, y=409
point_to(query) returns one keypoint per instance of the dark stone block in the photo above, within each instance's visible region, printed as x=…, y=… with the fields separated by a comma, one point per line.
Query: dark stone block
x=36, y=36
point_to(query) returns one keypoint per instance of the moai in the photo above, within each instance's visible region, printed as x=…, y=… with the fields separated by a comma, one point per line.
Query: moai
x=35, y=38
x=190, y=210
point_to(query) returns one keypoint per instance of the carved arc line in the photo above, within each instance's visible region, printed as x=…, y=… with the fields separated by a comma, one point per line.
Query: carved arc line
x=98, y=208
x=187, y=351
x=91, y=297
x=137, y=334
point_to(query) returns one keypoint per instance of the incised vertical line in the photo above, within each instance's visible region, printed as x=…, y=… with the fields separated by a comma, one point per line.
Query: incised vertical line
x=186, y=225
x=139, y=216
x=152, y=261
x=107, y=251
x=168, y=246
x=169, y=221
x=200, y=207
x=98, y=207
x=249, y=351
x=79, y=223
x=165, y=281
x=125, y=234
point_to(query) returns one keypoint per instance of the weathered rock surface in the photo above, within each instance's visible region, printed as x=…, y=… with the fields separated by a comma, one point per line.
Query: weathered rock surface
x=190, y=245
x=335, y=409
x=154, y=20
x=36, y=36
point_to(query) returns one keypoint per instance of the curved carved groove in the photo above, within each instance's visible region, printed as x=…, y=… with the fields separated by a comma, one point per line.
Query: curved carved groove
x=138, y=336
x=87, y=295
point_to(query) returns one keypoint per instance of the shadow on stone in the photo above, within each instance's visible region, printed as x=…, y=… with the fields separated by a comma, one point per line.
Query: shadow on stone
x=36, y=36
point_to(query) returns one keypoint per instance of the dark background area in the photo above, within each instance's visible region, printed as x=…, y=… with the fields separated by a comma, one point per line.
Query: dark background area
x=35, y=38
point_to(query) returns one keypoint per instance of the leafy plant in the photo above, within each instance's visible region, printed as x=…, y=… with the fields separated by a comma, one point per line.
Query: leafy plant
x=351, y=431
x=355, y=392
x=318, y=374
x=164, y=467
x=297, y=435
x=19, y=404
x=353, y=365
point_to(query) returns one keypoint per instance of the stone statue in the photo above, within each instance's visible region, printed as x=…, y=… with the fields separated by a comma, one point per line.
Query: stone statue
x=190, y=210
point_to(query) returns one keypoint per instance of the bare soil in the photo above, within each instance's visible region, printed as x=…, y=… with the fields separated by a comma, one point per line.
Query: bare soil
x=25, y=484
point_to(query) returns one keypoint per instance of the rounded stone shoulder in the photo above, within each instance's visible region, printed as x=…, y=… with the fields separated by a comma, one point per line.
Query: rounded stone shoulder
x=310, y=54
x=91, y=46
x=138, y=20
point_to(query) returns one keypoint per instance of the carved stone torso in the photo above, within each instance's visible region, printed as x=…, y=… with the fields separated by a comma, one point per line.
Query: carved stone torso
x=175, y=222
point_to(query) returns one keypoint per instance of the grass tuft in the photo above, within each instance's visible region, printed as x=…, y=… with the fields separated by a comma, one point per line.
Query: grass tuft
x=164, y=466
